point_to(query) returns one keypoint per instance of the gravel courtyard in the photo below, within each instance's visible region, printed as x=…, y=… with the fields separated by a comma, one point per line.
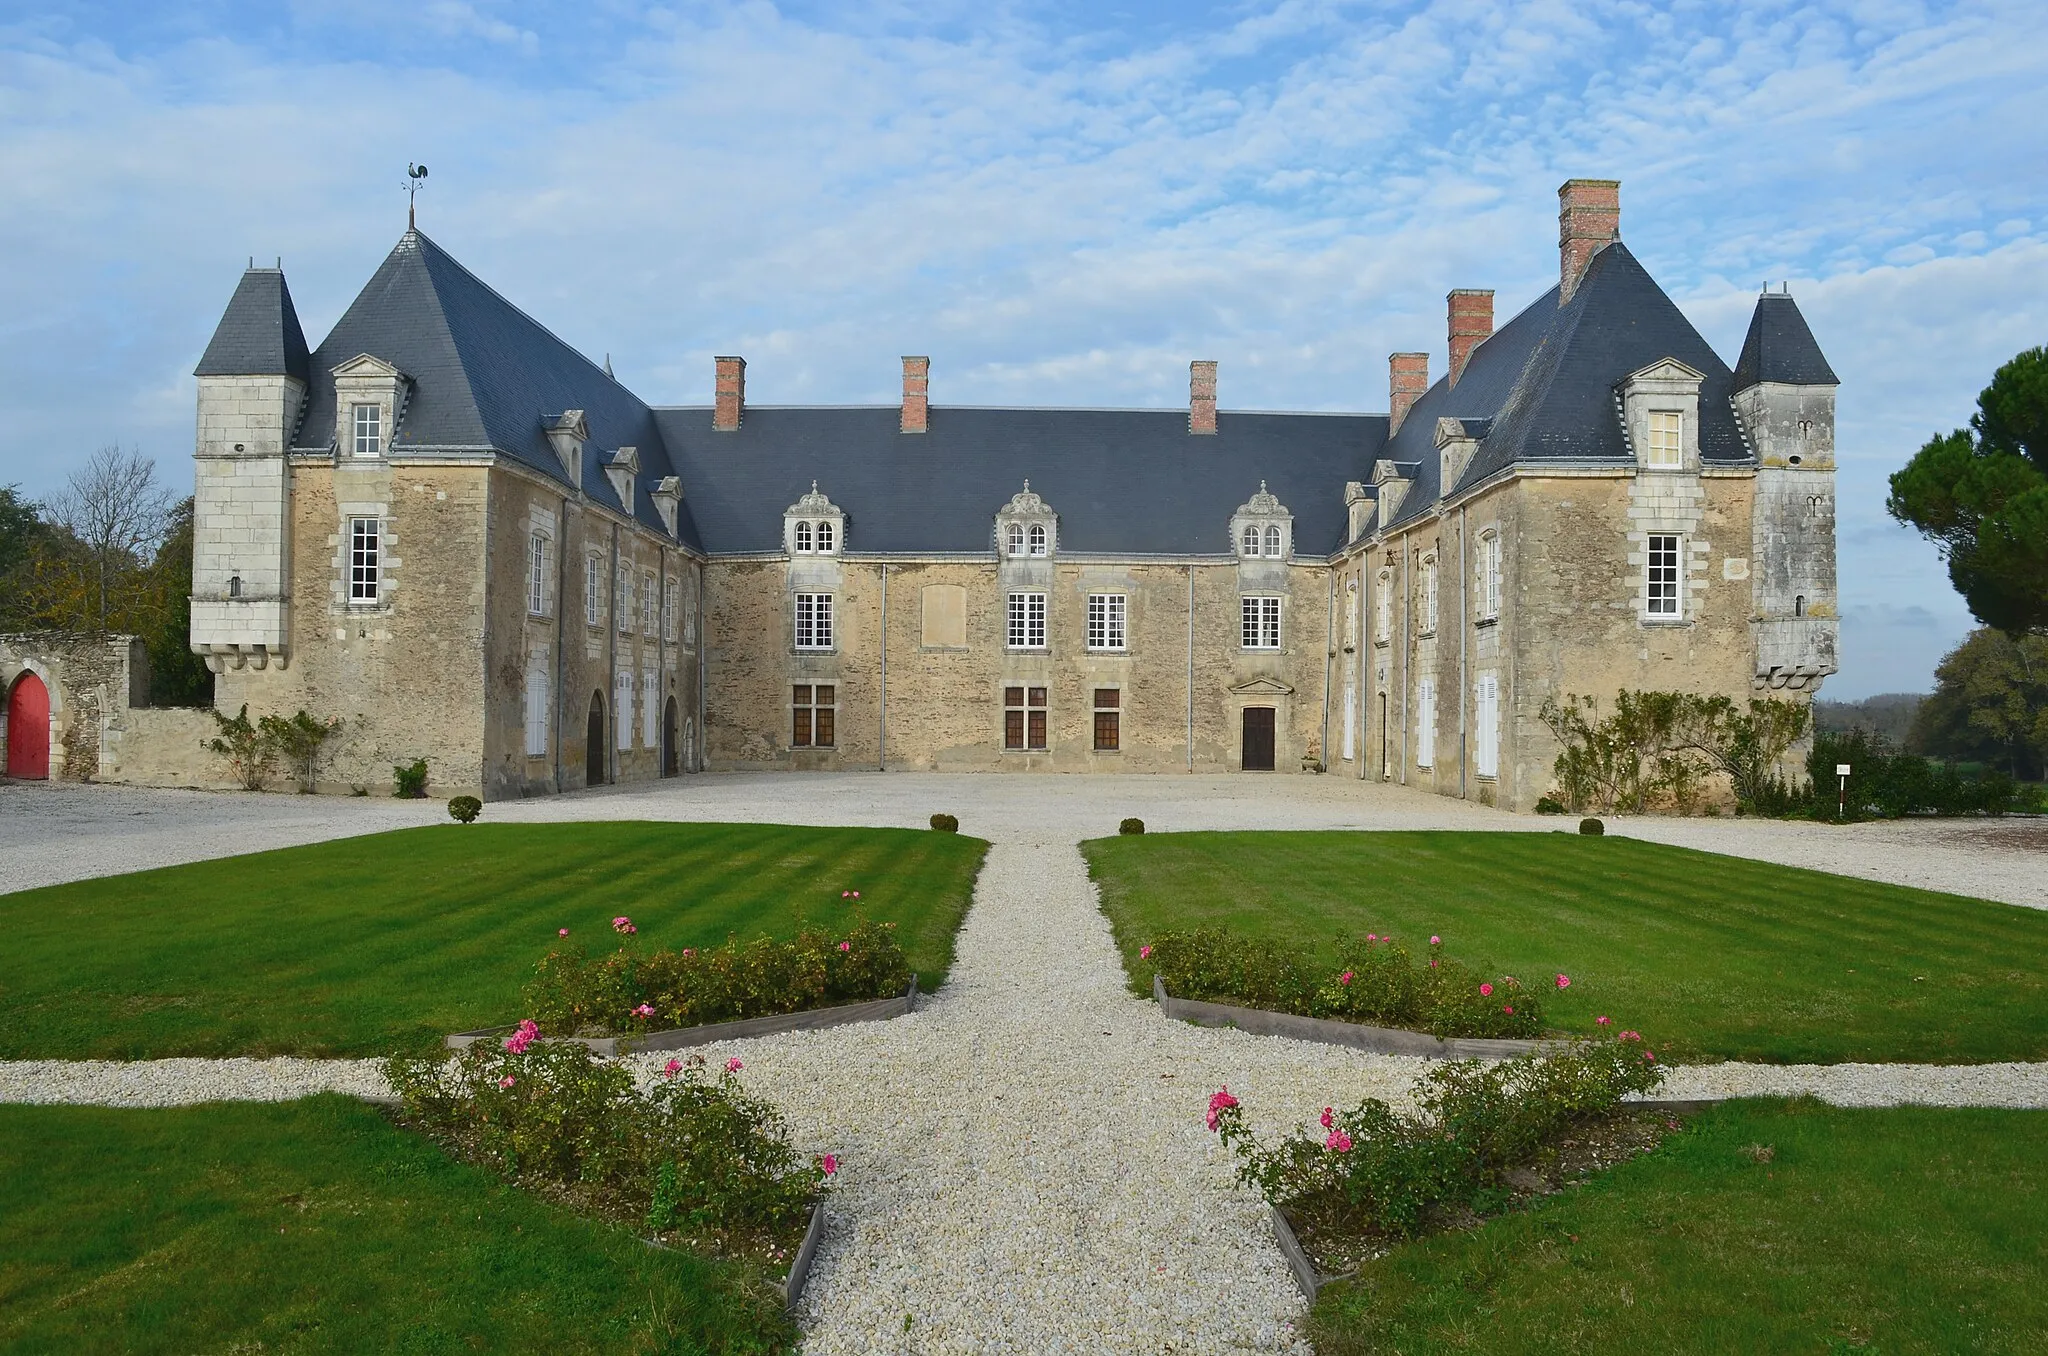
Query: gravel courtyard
x=1025, y=1165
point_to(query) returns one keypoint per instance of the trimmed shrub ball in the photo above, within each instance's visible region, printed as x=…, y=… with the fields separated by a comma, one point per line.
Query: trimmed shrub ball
x=946, y=823
x=465, y=809
x=1131, y=826
x=1550, y=805
x=1592, y=826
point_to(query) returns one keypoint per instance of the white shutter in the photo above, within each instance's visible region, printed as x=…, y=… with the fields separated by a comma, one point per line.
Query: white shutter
x=650, y=699
x=622, y=708
x=1425, y=723
x=1487, y=695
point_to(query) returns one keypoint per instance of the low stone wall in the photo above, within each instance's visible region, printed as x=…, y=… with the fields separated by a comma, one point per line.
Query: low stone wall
x=89, y=677
x=162, y=747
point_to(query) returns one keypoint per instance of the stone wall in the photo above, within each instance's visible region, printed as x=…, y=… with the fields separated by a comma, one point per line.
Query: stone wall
x=166, y=747
x=90, y=678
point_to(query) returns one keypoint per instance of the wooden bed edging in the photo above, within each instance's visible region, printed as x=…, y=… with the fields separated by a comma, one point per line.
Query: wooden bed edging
x=1305, y=1274
x=792, y=1285
x=811, y=1019
x=1378, y=1039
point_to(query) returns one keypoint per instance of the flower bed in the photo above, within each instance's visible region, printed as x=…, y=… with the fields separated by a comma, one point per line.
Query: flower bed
x=1365, y=1178
x=694, y=1161
x=1376, y=981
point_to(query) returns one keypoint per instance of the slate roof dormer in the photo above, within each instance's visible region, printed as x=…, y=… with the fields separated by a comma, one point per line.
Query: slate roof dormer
x=258, y=334
x=1780, y=348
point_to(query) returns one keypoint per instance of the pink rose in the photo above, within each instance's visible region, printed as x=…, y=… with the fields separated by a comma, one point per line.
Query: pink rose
x=1508, y=1008
x=846, y=946
x=846, y=894
x=1344, y=978
x=1372, y=937
x=1338, y=1141
x=1631, y=1036
x=733, y=1066
x=829, y=1163
x=1486, y=991
x=1564, y=981
x=1220, y=1102
x=1327, y=1117
x=644, y=1010
x=689, y=951
x=1145, y=952
x=856, y=894
x=561, y=932
x=1436, y=941
x=506, y=1081
x=1604, y=1021
x=672, y=1068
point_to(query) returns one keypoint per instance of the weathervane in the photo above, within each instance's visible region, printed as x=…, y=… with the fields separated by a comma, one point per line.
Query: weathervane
x=416, y=180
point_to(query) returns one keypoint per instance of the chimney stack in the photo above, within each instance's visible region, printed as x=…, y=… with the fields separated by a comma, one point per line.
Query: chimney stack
x=1588, y=220
x=1202, y=396
x=1407, y=379
x=728, y=394
x=917, y=385
x=1471, y=312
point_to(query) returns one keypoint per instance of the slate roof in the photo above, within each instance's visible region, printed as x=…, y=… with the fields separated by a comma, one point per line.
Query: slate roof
x=483, y=374
x=1121, y=481
x=258, y=334
x=1779, y=347
x=1549, y=381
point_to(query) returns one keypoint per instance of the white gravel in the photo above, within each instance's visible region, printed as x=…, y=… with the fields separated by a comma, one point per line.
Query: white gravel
x=1025, y=1167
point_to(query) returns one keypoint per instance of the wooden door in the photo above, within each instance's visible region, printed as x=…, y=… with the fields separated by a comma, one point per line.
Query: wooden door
x=593, y=743
x=670, y=755
x=1258, y=739
x=28, y=729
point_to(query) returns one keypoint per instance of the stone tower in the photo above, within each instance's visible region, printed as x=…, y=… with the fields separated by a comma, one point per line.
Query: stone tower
x=252, y=389
x=1785, y=397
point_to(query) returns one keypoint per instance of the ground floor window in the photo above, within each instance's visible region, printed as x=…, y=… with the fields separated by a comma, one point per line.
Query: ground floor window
x=1486, y=715
x=1108, y=719
x=536, y=713
x=622, y=709
x=1024, y=718
x=1425, y=723
x=814, y=708
x=650, y=708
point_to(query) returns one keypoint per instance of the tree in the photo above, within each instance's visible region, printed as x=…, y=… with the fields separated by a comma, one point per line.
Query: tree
x=177, y=677
x=1981, y=495
x=22, y=537
x=109, y=519
x=1990, y=705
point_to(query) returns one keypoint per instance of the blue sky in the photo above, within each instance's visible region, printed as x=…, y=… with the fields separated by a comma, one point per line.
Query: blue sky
x=1061, y=203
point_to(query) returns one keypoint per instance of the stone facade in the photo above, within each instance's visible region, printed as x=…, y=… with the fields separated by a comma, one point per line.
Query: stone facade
x=90, y=681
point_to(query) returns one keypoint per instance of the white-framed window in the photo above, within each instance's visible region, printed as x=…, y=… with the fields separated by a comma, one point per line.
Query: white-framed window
x=1486, y=716
x=825, y=538
x=622, y=709
x=647, y=603
x=668, y=608
x=689, y=619
x=1273, y=541
x=1027, y=621
x=1260, y=619
x=1428, y=594
x=537, y=575
x=1105, y=621
x=1039, y=541
x=814, y=621
x=365, y=542
x=1488, y=569
x=367, y=423
x=1667, y=438
x=1014, y=538
x=1248, y=544
x=1383, y=606
x=1425, y=723
x=1024, y=718
x=1661, y=576
x=650, y=707
x=593, y=590
x=803, y=538
x=536, y=712
x=622, y=599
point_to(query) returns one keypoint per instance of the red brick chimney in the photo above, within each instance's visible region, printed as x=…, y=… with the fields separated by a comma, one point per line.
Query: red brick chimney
x=728, y=394
x=917, y=385
x=1471, y=312
x=1407, y=379
x=1588, y=220
x=1202, y=396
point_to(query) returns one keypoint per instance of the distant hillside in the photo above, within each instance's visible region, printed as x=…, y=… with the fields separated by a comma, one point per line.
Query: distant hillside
x=1888, y=713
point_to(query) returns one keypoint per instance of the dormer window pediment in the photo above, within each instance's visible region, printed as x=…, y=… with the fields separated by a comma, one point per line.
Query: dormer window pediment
x=1262, y=528
x=567, y=433
x=813, y=525
x=1026, y=527
x=622, y=468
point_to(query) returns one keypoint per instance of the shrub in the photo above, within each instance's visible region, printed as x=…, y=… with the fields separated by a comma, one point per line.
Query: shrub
x=1887, y=784
x=1375, y=981
x=1592, y=827
x=574, y=995
x=409, y=782
x=251, y=757
x=465, y=809
x=299, y=740
x=1131, y=826
x=946, y=823
x=1550, y=805
x=694, y=1153
x=1372, y=1170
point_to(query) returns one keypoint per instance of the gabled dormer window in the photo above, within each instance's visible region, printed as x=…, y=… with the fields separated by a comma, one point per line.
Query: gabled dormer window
x=1660, y=413
x=813, y=525
x=1262, y=527
x=1026, y=527
x=369, y=431
x=369, y=400
x=1667, y=438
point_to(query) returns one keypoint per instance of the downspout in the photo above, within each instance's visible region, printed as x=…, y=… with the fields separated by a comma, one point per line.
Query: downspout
x=1407, y=587
x=882, y=763
x=1361, y=691
x=1464, y=630
x=663, y=622
x=1191, y=666
x=1329, y=654
x=611, y=677
x=561, y=602
x=703, y=673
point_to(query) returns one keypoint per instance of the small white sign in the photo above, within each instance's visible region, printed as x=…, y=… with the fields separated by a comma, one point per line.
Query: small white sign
x=1841, y=769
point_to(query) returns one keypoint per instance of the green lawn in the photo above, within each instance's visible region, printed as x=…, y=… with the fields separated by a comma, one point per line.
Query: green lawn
x=318, y=1226
x=1897, y=1231
x=368, y=945
x=1708, y=956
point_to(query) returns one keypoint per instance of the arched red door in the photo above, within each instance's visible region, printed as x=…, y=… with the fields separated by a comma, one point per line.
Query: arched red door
x=28, y=729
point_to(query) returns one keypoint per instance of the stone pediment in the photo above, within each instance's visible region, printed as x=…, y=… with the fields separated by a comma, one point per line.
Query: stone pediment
x=1261, y=687
x=368, y=365
x=1665, y=369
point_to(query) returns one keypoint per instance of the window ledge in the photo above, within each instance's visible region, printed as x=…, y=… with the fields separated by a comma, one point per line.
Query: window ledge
x=1487, y=621
x=1027, y=649
x=1663, y=622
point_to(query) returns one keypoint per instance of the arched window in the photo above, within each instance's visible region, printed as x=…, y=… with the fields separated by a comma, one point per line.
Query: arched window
x=1383, y=606
x=1489, y=575
x=1038, y=539
x=1272, y=541
x=803, y=537
x=1799, y=605
x=1250, y=546
x=825, y=535
x=1016, y=535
